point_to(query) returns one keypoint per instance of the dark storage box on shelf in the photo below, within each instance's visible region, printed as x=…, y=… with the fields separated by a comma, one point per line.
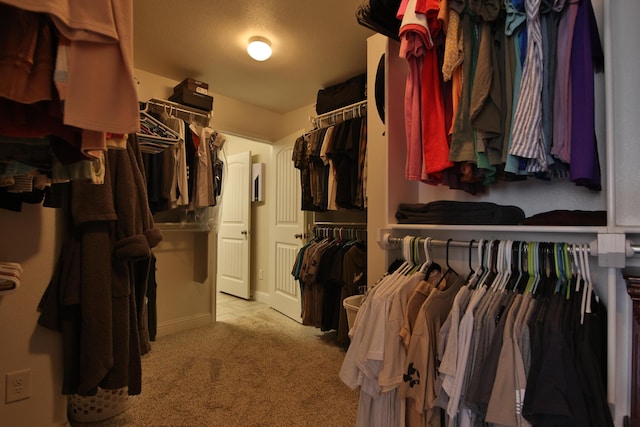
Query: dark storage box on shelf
x=192, y=85
x=193, y=99
x=342, y=94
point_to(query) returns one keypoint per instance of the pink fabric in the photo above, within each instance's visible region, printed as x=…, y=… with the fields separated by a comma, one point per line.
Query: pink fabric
x=415, y=40
x=80, y=20
x=427, y=140
x=412, y=48
x=101, y=94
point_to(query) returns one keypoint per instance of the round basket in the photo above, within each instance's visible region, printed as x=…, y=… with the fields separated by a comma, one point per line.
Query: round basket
x=104, y=405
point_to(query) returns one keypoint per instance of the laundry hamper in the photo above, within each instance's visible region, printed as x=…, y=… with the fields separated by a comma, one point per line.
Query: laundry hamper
x=104, y=405
x=352, y=305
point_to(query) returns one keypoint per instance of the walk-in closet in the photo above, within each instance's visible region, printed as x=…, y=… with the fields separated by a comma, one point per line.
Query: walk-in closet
x=401, y=246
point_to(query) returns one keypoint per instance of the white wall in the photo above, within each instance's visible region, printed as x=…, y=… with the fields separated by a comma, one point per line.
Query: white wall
x=31, y=238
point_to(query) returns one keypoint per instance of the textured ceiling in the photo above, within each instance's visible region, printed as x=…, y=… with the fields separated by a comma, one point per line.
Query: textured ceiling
x=315, y=44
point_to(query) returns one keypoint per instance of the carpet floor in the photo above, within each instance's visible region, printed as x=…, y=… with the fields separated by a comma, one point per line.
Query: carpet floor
x=262, y=369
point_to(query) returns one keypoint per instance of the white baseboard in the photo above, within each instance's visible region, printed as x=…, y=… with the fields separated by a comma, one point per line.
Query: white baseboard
x=177, y=325
x=261, y=297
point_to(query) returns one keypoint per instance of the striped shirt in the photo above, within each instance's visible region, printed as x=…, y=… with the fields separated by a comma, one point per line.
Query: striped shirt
x=528, y=139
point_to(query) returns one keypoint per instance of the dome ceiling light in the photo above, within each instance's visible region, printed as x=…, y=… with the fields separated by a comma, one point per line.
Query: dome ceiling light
x=259, y=48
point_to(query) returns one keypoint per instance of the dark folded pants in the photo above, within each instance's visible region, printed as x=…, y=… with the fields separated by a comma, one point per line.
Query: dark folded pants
x=459, y=213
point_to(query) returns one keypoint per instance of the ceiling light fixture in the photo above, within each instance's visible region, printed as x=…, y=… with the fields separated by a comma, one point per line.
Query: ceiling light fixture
x=259, y=48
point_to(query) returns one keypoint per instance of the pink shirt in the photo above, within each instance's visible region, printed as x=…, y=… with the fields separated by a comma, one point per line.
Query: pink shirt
x=100, y=92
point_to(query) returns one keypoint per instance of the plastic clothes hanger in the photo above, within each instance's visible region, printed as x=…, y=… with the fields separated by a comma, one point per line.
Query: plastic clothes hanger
x=503, y=265
x=406, y=255
x=449, y=268
x=484, y=259
x=471, y=270
x=507, y=255
x=563, y=267
x=427, y=255
x=514, y=266
x=495, y=284
x=557, y=261
x=442, y=282
x=587, y=272
x=433, y=266
x=478, y=271
x=490, y=269
x=523, y=270
x=415, y=258
x=154, y=136
x=575, y=266
x=531, y=266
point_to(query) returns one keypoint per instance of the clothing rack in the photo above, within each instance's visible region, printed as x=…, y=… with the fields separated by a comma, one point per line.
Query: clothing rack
x=350, y=230
x=180, y=111
x=592, y=248
x=154, y=136
x=339, y=115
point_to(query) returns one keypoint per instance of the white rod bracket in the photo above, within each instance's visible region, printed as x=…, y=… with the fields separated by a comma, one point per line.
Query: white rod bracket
x=383, y=238
x=612, y=250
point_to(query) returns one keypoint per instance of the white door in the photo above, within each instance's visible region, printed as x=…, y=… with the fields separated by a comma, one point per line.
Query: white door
x=234, y=231
x=288, y=228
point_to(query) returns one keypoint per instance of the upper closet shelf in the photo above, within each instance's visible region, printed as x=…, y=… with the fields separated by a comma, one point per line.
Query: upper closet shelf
x=334, y=117
x=503, y=228
x=184, y=112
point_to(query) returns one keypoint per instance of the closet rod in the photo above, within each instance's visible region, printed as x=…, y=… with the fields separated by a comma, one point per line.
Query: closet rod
x=174, y=106
x=462, y=244
x=340, y=224
x=592, y=248
x=340, y=112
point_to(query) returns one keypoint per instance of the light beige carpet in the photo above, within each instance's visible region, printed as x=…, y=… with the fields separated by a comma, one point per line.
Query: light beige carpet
x=260, y=370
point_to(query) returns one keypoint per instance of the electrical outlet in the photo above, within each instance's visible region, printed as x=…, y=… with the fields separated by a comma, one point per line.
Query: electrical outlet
x=260, y=274
x=18, y=385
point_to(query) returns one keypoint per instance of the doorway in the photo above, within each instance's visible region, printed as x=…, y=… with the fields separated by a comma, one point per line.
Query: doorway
x=261, y=263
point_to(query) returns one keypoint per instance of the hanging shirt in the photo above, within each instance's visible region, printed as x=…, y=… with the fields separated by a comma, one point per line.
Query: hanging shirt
x=419, y=386
x=332, y=181
x=528, y=139
x=435, y=140
x=561, y=147
x=415, y=39
x=586, y=57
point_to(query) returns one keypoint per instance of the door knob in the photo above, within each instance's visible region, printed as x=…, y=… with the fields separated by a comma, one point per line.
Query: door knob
x=244, y=232
x=300, y=235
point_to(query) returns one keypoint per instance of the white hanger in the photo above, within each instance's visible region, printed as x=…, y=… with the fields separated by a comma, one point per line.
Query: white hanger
x=575, y=265
x=488, y=263
x=588, y=274
x=507, y=255
x=406, y=255
x=427, y=255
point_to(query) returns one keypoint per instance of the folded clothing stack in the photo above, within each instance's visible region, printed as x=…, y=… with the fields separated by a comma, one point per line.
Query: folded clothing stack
x=459, y=213
x=9, y=277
